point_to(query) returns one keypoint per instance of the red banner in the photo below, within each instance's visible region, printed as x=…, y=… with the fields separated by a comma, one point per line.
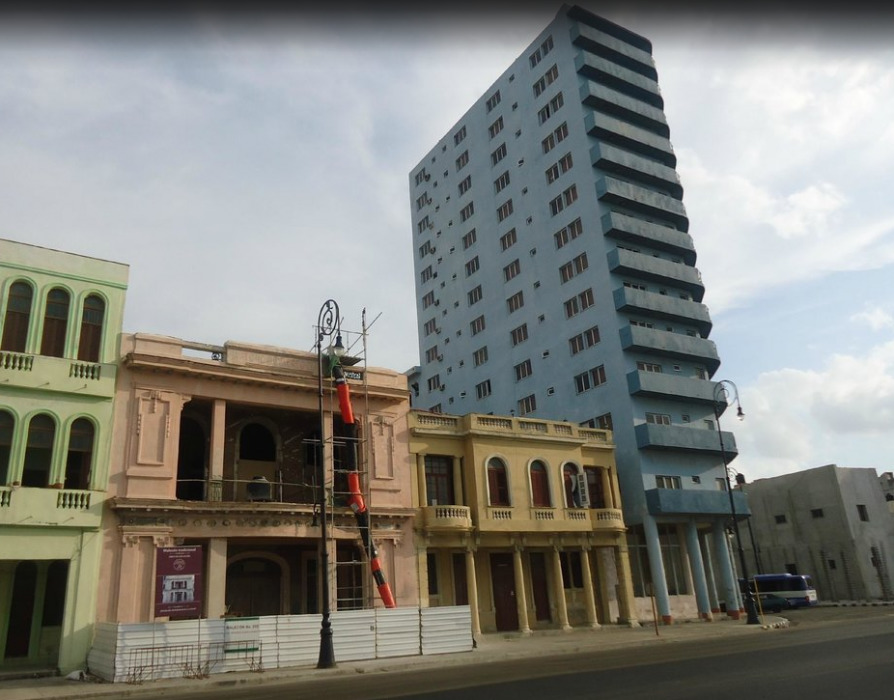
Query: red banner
x=178, y=581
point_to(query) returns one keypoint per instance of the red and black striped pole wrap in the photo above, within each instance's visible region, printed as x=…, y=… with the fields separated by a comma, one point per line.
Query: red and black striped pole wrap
x=355, y=497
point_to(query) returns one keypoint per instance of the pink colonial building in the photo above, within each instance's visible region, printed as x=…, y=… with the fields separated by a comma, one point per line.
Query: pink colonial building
x=215, y=477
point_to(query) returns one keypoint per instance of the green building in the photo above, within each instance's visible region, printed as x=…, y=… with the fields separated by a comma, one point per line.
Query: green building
x=60, y=320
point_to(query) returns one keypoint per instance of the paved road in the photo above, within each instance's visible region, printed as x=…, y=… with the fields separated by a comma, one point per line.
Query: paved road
x=839, y=653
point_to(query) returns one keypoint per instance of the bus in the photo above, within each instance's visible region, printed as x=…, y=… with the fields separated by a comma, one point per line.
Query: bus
x=796, y=588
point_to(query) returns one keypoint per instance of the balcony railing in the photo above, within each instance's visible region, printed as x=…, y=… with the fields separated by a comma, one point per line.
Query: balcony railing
x=641, y=232
x=668, y=344
x=607, y=519
x=642, y=200
x=630, y=136
x=50, y=507
x=680, y=438
x=628, y=108
x=622, y=79
x=652, y=269
x=57, y=374
x=613, y=49
x=447, y=518
x=665, y=306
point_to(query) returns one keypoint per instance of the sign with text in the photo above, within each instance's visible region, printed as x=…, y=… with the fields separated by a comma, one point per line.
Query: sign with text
x=178, y=581
x=242, y=634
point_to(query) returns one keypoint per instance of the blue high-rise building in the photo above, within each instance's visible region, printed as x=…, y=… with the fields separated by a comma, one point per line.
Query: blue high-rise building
x=556, y=278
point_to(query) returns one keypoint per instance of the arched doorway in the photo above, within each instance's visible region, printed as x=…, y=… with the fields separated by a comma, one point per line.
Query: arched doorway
x=254, y=587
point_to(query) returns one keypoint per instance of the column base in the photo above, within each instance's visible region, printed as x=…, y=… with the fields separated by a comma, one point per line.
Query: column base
x=706, y=616
x=733, y=615
x=667, y=619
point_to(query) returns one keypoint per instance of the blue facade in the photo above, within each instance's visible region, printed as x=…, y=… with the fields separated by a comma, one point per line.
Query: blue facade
x=555, y=274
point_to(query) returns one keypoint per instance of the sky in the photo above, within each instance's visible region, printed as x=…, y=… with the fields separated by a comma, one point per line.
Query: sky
x=249, y=166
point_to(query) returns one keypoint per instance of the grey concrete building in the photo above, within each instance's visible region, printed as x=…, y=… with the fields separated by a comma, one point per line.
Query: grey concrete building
x=830, y=522
x=556, y=278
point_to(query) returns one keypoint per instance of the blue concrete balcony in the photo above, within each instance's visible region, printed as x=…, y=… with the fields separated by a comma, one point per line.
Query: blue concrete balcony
x=642, y=200
x=652, y=269
x=684, y=439
x=622, y=79
x=662, y=385
x=638, y=231
x=666, y=344
x=695, y=502
x=627, y=108
x=665, y=307
x=613, y=49
x=637, y=168
x=627, y=135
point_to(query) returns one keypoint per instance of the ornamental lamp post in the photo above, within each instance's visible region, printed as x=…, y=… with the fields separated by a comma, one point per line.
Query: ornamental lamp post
x=328, y=323
x=721, y=402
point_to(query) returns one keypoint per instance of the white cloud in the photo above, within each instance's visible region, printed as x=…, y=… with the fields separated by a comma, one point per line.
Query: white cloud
x=796, y=419
x=875, y=317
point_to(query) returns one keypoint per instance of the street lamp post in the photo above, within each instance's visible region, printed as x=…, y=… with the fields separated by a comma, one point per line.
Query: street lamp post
x=721, y=401
x=328, y=322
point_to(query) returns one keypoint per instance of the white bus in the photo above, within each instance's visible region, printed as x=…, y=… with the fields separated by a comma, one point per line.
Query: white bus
x=796, y=588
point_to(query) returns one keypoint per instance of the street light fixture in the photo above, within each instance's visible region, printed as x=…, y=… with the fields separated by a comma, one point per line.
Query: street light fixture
x=721, y=401
x=328, y=322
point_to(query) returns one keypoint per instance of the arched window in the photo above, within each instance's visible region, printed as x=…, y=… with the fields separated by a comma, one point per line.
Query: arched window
x=6, y=425
x=539, y=485
x=55, y=323
x=257, y=443
x=39, y=451
x=569, y=482
x=498, y=482
x=91, y=329
x=80, y=455
x=17, y=318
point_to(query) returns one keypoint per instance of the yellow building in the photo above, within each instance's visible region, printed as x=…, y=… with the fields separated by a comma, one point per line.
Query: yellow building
x=521, y=520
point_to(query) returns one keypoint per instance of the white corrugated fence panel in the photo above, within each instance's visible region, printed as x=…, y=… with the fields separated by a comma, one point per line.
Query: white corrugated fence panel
x=446, y=630
x=101, y=657
x=354, y=634
x=297, y=640
x=397, y=632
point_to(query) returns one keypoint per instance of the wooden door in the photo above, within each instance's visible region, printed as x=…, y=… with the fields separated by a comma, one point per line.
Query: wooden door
x=503, y=580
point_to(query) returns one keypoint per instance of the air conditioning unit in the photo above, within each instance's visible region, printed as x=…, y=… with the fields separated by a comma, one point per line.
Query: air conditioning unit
x=440, y=358
x=438, y=331
x=581, y=493
x=437, y=302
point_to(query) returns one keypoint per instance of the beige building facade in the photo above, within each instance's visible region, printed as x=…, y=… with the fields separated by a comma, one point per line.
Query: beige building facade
x=521, y=520
x=217, y=454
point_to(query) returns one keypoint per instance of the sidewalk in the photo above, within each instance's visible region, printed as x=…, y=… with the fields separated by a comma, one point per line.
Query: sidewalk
x=491, y=648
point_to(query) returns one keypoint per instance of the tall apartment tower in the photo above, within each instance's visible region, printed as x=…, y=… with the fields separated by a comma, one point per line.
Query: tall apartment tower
x=556, y=278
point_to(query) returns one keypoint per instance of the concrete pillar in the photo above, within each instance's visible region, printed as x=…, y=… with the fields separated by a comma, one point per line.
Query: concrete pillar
x=709, y=574
x=457, y=482
x=589, y=595
x=626, y=607
x=722, y=559
x=423, y=487
x=656, y=565
x=605, y=477
x=218, y=442
x=697, y=567
x=559, y=585
x=128, y=575
x=521, y=598
x=472, y=585
x=216, y=587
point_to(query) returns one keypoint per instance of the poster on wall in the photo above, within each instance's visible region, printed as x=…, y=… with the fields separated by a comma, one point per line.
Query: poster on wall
x=178, y=581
